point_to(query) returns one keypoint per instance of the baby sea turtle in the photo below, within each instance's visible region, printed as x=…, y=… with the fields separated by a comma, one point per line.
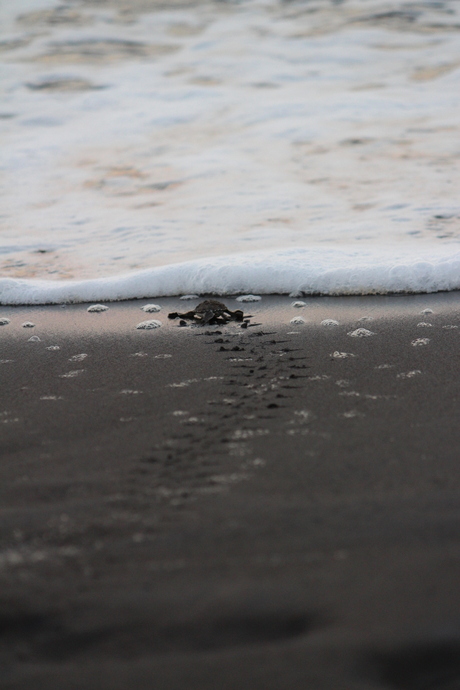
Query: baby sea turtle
x=210, y=313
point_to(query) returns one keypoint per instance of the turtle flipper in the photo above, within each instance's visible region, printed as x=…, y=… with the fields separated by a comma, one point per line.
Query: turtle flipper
x=207, y=317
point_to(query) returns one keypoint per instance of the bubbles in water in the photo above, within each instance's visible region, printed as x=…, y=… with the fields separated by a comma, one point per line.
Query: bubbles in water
x=249, y=298
x=297, y=320
x=298, y=305
x=4, y=321
x=420, y=341
x=342, y=355
x=329, y=322
x=97, y=308
x=53, y=347
x=28, y=324
x=360, y=333
x=151, y=308
x=190, y=297
x=34, y=339
x=78, y=358
x=148, y=325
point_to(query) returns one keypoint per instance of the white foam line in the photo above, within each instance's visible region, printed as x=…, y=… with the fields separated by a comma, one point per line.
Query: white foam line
x=315, y=270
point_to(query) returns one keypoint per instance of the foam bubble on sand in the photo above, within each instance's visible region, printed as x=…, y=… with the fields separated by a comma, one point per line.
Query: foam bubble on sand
x=342, y=355
x=189, y=297
x=329, y=322
x=427, y=311
x=4, y=321
x=139, y=354
x=28, y=324
x=97, y=308
x=365, y=318
x=409, y=374
x=420, y=341
x=162, y=356
x=248, y=433
x=302, y=416
x=249, y=298
x=450, y=326
x=78, y=358
x=129, y=391
x=297, y=320
x=313, y=270
x=148, y=325
x=53, y=347
x=424, y=324
x=51, y=397
x=33, y=339
x=360, y=333
x=182, y=384
x=71, y=374
x=151, y=308
x=298, y=305
x=351, y=414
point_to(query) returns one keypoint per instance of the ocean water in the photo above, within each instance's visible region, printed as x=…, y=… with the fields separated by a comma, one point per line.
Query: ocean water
x=158, y=148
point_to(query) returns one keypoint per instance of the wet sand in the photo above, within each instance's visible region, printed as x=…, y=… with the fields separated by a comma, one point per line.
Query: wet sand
x=188, y=508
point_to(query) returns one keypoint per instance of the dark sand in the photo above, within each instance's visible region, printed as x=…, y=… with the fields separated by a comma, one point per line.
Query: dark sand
x=246, y=512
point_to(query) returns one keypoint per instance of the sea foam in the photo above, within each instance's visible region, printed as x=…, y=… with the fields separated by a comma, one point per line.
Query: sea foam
x=267, y=147
x=310, y=271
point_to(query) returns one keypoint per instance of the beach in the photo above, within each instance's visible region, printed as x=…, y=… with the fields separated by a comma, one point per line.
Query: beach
x=215, y=506
x=269, y=503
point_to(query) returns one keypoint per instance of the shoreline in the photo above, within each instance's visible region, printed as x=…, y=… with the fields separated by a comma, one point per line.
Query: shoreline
x=314, y=271
x=267, y=507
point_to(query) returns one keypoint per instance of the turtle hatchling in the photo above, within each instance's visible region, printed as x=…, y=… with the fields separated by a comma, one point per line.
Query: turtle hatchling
x=210, y=313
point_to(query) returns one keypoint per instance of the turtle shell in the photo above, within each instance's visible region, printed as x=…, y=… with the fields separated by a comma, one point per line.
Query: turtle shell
x=210, y=305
